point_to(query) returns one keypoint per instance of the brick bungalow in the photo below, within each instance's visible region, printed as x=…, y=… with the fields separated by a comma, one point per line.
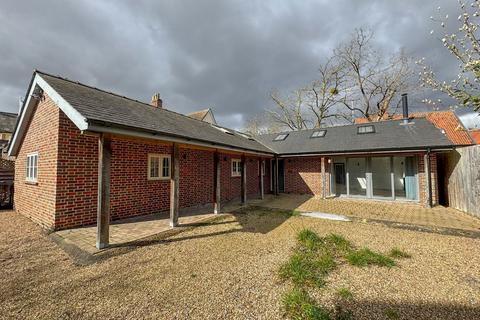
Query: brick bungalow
x=86, y=156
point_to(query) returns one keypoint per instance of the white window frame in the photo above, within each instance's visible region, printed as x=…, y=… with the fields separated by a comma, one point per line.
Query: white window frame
x=31, y=167
x=161, y=167
x=236, y=169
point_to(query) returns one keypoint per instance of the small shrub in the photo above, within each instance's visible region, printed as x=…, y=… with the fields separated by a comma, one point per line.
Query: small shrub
x=397, y=253
x=345, y=293
x=304, y=270
x=298, y=305
x=365, y=257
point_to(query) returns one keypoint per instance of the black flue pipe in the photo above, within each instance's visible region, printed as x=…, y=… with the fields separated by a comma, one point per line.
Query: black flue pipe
x=405, y=107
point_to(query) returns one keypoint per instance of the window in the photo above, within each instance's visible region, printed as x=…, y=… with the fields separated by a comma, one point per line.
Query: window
x=281, y=136
x=222, y=129
x=158, y=166
x=366, y=129
x=32, y=167
x=318, y=133
x=236, y=167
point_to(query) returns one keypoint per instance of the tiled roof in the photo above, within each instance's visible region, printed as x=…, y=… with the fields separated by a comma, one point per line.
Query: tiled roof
x=109, y=109
x=7, y=121
x=446, y=120
x=475, y=135
x=388, y=135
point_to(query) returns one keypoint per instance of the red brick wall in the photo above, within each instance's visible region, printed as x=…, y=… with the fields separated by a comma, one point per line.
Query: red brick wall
x=303, y=175
x=38, y=201
x=253, y=177
x=422, y=176
x=76, y=197
x=231, y=187
x=196, y=177
x=132, y=194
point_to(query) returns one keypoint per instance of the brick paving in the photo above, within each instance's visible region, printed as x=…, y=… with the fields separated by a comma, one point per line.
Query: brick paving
x=127, y=230
x=408, y=213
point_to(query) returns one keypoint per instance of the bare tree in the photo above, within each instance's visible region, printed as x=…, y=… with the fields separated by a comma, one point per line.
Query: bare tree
x=289, y=111
x=322, y=95
x=261, y=124
x=313, y=105
x=356, y=81
x=374, y=82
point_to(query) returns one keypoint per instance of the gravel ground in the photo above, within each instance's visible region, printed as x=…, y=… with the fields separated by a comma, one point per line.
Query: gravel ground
x=228, y=270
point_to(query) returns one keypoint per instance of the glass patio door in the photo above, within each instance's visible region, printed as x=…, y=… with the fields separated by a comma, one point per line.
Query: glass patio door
x=381, y=170
x=411, y=183
x=392, y=177
x=356, y=177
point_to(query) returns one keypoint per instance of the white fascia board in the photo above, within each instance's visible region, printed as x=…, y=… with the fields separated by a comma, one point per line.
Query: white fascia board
x=29, y=105
x=75, y=116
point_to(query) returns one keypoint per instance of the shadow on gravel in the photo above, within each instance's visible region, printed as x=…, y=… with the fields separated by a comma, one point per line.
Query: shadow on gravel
x=250, y=219
x=382, y=310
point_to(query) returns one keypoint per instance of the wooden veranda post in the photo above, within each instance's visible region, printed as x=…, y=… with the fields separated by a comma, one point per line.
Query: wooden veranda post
x=262, y=167
x=174, y=186
x=244, y=180
x=277, y=190
x=322, y=169
x=217, y=173
x=103, y=203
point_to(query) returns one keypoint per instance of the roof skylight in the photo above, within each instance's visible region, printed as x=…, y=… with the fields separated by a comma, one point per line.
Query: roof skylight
x=222, y=129
x=281, y=137
x=318, y=133
x=366, y=129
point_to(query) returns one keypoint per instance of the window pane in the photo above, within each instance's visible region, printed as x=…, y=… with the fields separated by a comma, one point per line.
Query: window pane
x=166, y=167
x=357, y=179
x=405, y=178
x=381, y=178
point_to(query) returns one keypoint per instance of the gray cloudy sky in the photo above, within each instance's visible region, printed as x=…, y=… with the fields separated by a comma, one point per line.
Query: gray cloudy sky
x=223, y=54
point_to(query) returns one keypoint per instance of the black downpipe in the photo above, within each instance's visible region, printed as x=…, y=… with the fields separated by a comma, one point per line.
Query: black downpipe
x=429, y=179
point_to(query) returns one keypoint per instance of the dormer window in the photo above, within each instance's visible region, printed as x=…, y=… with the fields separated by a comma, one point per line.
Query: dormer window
x=281, y=137
x=366, y=129
x=318, y=133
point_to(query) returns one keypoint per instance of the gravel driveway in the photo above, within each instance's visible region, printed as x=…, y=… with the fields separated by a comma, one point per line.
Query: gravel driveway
x=228, y=270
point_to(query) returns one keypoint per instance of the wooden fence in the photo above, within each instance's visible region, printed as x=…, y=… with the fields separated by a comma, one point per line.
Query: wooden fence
x=463, y=179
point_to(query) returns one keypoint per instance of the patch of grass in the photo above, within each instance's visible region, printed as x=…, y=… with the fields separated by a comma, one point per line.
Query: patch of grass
x=397, y=253
x=309, y=239
x=345, y=293
x=304, y=270
x=298, y=305
x=365, y=257
x=392, y=314
x=339, y=243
